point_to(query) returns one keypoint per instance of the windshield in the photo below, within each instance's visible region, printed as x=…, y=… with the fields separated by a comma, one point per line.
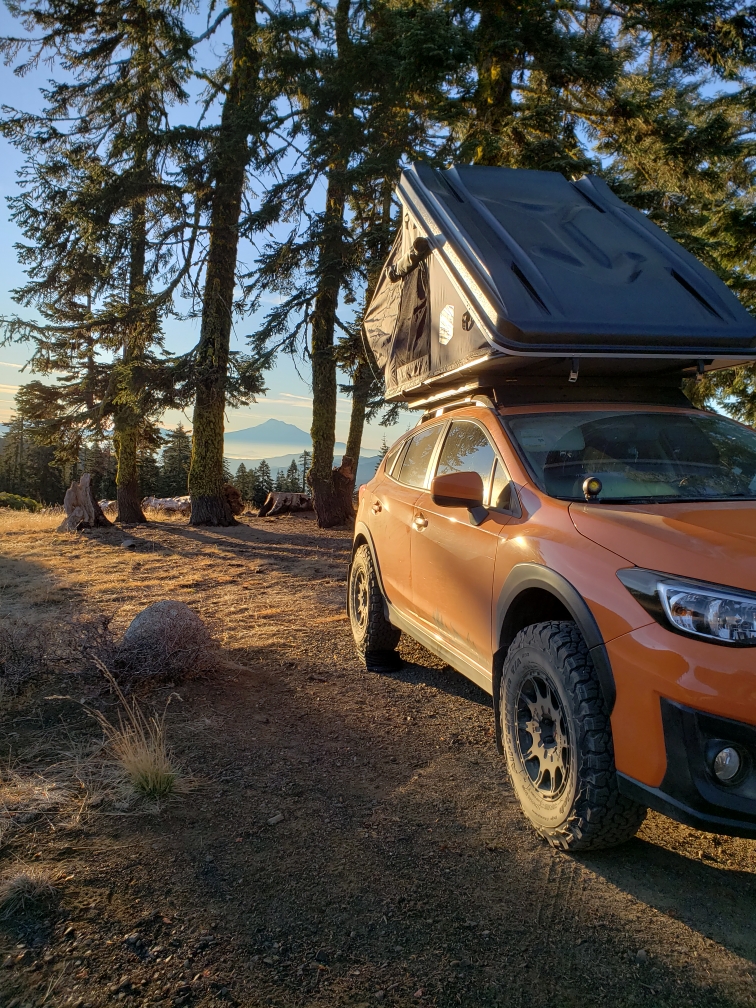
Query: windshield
x=638, y=457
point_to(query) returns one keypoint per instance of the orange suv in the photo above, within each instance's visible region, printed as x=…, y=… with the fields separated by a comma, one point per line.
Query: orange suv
x=590, y=565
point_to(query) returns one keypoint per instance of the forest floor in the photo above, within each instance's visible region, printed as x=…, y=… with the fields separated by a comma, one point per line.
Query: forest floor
x=346, y=838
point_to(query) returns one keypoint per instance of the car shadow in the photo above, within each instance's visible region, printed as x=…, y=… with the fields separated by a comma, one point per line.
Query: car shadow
x=684, y=888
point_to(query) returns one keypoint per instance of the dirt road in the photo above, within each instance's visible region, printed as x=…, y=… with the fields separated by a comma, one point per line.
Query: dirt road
x=351, y=839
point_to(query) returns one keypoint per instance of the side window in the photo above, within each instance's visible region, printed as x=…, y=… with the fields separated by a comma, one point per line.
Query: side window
x=417, y=458
x=466, y=449
x=392, y=456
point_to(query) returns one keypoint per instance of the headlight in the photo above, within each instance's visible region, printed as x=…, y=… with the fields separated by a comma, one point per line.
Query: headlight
x=723, y=615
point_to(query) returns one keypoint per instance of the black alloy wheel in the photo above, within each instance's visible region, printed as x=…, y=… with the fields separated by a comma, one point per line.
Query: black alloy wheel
x=374, y=636
x=558, y=741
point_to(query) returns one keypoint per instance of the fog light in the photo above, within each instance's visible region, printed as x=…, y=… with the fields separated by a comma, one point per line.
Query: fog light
x=726, y=764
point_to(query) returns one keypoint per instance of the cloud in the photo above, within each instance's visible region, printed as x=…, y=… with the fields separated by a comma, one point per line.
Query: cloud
x=5, y=363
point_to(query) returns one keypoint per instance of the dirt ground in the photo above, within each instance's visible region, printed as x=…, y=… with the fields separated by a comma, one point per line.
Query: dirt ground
x=349, y=839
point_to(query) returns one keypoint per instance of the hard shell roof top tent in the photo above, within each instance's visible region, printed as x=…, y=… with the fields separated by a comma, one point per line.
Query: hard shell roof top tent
x=505, y=277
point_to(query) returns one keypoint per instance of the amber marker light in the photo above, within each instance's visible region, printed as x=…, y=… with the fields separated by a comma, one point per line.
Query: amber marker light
x=592, y=487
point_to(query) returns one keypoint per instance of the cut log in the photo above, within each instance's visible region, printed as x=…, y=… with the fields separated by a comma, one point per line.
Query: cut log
x=278, y=502
x=181, y=505
x=82, y=510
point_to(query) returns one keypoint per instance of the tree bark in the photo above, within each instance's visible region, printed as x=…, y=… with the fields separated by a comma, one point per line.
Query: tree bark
x=232, y=154
x=327, y=493
x=128, y=418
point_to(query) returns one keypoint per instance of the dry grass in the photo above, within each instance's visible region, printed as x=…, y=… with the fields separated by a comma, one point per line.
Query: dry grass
x=25, y=521
x=30, y=889
x=138, y=746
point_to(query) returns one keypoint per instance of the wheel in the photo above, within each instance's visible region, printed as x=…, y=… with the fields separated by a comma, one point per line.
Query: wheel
x=374, y=637
x=558, y=741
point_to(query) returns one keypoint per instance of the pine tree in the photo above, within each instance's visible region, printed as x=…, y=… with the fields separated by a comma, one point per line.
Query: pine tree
x=28, y=468
x=293, y=481
x=242, y=482
x=101, y=217
x=363, y=99
x=304, y=465
x=263, y=482
x=175, y=463
x=250, y=86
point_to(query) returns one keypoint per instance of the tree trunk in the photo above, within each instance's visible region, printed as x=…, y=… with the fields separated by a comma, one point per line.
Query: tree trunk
x=126, y=442
x=361, y=383
x=485, y=143
x=327, y=499
x=128, y=414
x=327, y=491
x=232, y=153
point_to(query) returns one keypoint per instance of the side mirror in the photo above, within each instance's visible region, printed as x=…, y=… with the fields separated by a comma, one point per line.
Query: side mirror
x=463, y=489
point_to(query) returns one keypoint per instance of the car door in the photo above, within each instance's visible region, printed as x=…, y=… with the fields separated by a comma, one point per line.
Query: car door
x=453, y=559
x=392, y=505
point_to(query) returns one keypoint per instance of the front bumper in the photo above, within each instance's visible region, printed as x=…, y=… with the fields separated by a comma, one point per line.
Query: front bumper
x=689, y=791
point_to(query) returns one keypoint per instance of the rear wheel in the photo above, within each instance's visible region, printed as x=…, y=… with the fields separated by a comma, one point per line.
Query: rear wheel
x=374, y=637
x=558, y=741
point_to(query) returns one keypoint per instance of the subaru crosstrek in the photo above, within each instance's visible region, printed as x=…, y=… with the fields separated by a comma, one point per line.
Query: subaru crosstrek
x=593, y=567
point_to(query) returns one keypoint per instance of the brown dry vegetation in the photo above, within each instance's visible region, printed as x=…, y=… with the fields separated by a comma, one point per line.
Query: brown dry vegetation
x=348, y=840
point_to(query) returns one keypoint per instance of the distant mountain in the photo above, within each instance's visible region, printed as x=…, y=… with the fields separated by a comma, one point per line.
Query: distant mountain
x=270, y=432
x=271, y=440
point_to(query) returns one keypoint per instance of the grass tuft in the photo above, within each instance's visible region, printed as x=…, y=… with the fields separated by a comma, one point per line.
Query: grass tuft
x=138, y=745
x=32, y=888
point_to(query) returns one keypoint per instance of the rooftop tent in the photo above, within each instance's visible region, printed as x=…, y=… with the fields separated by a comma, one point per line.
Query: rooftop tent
x=498, y=273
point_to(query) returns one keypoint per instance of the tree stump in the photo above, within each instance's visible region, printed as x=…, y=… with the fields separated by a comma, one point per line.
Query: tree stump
x=278, y=502
x=234, y=498
x=82, y=510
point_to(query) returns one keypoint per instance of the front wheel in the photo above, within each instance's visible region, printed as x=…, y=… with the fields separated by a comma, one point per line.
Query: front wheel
x=558, y=741
x=374, y=637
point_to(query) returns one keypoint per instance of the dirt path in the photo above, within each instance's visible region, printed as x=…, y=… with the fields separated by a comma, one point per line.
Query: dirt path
x=353, y=839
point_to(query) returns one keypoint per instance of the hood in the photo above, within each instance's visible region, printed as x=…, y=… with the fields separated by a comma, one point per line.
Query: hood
x=709, y=542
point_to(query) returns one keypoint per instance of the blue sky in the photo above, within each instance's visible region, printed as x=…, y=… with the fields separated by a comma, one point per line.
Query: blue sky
x=289, y=395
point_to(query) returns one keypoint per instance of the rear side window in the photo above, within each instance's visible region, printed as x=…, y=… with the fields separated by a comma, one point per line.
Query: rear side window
x=466, y=449
x=391, y=457
x=417, y=458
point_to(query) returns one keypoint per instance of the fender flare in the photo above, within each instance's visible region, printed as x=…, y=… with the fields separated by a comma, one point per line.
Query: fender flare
x=533, y=575
x=361, y=530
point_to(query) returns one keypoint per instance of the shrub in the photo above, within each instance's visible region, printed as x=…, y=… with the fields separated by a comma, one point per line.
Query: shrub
x=29, y=889
x=18, y=503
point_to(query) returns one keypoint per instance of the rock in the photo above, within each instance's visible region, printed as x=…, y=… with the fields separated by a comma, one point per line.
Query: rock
x=641, y=956
x=168, y=638
x=128, y=544
x=277, y=818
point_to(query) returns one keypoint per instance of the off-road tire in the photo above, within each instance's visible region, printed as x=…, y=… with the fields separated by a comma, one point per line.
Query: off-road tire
x=563, y=770
x=372, y=632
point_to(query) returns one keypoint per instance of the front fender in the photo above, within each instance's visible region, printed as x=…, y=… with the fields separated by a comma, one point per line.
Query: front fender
x=533, y=575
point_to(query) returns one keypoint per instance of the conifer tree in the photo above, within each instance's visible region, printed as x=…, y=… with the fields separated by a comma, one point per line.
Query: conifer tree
x=293, y=479
x=250, y=85
x=175, y=462
x=263, y=482
x=304, y=467
x=364, y=99
x=101, y=219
